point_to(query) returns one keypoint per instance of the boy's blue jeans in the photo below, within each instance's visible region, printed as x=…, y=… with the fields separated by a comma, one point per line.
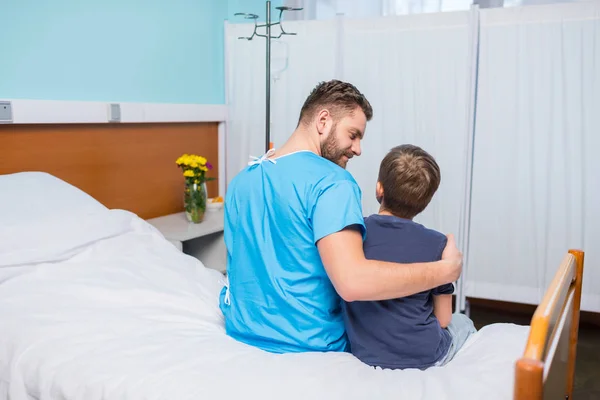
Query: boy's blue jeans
x=461, y=328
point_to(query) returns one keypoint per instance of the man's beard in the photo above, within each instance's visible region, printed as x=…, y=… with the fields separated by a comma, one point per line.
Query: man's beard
x=331, y=151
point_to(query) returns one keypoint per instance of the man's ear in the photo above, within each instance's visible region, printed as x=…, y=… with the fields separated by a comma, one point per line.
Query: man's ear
x=324, y=122
x=379, y=192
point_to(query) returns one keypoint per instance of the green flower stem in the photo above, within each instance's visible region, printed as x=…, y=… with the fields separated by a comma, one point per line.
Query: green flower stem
x=195, y=198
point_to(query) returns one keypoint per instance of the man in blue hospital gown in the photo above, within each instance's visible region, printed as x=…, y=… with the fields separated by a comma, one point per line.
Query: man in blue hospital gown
x=294, y=231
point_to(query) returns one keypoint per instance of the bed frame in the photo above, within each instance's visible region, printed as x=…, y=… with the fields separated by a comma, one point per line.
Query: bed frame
x=547, y=368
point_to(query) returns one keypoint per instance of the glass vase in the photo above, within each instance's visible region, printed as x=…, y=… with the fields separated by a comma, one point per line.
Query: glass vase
x=194, y=201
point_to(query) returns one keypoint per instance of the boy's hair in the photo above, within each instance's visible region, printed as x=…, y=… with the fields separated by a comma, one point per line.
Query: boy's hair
x=409, y=177
x=339, y=97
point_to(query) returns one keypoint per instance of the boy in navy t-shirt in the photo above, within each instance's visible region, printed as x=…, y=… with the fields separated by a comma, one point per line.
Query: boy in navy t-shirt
x=417, y=331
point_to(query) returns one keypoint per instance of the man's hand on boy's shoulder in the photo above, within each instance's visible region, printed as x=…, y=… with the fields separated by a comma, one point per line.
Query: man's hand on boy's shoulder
x=453, y=259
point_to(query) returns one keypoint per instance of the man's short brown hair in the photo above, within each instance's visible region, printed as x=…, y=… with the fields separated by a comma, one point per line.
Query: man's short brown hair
x=340, y=98
x=410, y=177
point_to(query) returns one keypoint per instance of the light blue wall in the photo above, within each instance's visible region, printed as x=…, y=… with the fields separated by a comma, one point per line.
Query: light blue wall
x=116, y=50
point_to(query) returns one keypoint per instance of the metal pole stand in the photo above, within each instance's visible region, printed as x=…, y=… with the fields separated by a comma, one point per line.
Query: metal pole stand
x=268, y=24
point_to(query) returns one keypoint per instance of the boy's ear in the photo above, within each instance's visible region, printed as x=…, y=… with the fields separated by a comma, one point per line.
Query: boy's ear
x=379, y=192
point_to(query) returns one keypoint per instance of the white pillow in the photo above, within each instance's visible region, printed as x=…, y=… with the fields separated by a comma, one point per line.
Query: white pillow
x=58, y=238
x=44, y=219
x=34, y=196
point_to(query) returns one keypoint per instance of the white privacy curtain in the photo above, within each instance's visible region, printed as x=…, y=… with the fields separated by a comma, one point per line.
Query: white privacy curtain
x=298, y=63
x=323, y=9
x=245, y=93
x=536, y=183
x=416, y=72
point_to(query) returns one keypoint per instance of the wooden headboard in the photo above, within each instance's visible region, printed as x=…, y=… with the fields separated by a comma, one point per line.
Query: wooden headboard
x=124, y=166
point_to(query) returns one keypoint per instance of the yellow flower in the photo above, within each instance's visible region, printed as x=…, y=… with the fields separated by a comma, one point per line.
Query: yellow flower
x=189, y=173
x=193, y=161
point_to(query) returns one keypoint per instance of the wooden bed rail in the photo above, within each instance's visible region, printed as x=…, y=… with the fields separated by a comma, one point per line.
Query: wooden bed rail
x=547, y=368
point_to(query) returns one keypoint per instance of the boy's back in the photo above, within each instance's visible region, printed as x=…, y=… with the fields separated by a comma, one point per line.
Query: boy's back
x=400, y=333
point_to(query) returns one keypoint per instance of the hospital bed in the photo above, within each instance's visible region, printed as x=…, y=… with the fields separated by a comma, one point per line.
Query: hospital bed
x=96, y=304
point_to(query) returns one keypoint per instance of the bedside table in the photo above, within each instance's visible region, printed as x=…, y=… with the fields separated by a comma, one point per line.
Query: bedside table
x=203, y=241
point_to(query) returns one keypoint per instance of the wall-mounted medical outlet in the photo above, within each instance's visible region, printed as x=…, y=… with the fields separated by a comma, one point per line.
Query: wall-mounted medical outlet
x=6, y=115
x=114, y=112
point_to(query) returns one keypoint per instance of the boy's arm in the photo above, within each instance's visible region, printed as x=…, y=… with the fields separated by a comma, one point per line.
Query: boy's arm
x=442, y=309
x=442, y=297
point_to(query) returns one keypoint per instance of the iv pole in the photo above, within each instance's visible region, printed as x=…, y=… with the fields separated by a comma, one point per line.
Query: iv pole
x=268, y=24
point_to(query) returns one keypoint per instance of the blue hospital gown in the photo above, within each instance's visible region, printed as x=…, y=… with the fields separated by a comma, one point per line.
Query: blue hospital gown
x=280, y=298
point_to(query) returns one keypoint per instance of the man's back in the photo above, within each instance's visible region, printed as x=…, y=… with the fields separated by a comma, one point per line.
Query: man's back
x=280, y=298
x=399, y=333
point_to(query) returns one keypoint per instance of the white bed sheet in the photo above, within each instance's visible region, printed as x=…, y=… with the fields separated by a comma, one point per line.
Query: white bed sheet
x=130, y=317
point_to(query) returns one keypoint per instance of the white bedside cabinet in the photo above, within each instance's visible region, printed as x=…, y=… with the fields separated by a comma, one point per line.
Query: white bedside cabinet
x=203, y=241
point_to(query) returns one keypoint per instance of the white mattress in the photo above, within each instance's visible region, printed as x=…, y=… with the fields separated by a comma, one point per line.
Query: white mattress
x=130, y=317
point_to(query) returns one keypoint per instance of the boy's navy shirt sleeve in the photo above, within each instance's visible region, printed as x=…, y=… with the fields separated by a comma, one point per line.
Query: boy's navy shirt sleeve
x=404, y=332
x=449, y=287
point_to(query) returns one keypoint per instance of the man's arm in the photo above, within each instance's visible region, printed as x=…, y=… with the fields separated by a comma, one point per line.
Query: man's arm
x=357, y=279
x=442, y=309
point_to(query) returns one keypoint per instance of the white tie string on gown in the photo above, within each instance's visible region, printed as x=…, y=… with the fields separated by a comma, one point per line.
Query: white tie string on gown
x=265, y=157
